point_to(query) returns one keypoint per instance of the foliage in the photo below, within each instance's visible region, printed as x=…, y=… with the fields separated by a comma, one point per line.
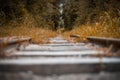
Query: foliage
x=83, y=16
x=93, y=18
x=43, y=12
x=26, y=18
x=79, y=12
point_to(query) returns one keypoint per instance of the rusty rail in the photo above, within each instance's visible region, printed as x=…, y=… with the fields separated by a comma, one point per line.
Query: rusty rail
x=5, y=43
x=104, y=41
x=14, y=41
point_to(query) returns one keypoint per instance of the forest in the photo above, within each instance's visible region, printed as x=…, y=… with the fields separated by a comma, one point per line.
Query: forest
x=83, y=17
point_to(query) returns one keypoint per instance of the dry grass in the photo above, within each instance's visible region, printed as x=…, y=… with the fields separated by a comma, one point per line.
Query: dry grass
x=27, y=28
x=108, y=26
x=94, y=30
x=37, y=34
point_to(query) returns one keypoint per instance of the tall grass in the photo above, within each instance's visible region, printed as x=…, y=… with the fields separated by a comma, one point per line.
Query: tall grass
x=29, y=28
x=108, y=26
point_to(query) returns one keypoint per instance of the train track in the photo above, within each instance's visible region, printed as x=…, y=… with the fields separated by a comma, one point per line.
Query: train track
x=62, y=58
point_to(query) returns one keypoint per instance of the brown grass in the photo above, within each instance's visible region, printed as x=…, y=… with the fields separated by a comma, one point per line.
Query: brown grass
x=37, y=34
x=94, y=30
x=108, y=26
x=27, y=28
